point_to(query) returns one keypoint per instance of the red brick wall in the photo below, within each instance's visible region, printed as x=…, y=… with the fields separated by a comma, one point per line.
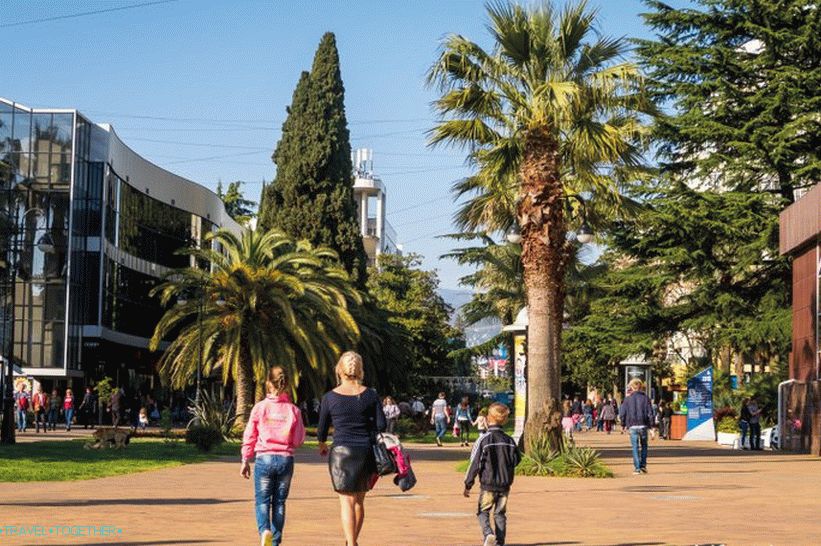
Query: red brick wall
x=804, y=286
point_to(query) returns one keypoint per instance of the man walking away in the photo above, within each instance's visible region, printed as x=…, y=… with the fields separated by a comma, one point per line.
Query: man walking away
x=493, y=460
x=440, y=417
x=636, y=414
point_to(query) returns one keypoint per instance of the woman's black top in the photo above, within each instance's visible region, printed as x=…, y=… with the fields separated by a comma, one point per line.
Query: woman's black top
x=355, y=418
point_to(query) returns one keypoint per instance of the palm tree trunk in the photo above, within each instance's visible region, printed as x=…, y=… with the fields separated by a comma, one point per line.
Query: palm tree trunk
x=541, y=218
x=245, y=391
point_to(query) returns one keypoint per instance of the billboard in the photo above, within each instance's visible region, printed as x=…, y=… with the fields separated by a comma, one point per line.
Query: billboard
x=700, y=406
x=519, y=385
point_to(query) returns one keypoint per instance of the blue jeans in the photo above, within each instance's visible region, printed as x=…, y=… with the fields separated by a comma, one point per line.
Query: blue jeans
x=69, y=416
x=638, y=438
x=21, y=420
x=743, y=425
x=497, y=502
x=441, y=426
x=588, y=421
x=272, y=480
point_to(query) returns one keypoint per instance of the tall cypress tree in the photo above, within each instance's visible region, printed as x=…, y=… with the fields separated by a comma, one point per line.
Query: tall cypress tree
x=743, y=77
x=311, y=196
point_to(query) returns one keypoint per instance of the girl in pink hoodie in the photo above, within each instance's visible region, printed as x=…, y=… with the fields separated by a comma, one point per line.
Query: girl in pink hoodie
x=274, y=430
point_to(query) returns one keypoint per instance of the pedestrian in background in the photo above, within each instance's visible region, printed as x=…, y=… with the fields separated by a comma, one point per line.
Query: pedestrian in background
x=481, y=423
x=440, y=417
x=636, y=414
x=68, y=408
x=608, y=416
x=493, y=460
x=744, y=422
x=88, y=408
x=755, y=424
x=21, y=405
x=464, y=419
x=39, y=404
x=666, y=411
x=587, y=410
x=55, y=406
x=391, y=413
x=598, y=410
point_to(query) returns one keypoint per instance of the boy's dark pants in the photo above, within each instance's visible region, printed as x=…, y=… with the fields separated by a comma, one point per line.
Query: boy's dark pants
x=496, y=501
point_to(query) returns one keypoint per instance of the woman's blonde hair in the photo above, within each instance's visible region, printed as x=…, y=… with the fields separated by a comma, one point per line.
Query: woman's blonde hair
x=636, y=384
x=277, y=380
x=350, y=367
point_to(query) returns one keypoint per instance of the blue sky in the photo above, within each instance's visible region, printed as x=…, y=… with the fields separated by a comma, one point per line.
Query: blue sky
x=200, y=86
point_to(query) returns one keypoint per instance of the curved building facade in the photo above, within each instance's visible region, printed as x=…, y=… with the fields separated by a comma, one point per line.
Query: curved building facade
x=89, y=227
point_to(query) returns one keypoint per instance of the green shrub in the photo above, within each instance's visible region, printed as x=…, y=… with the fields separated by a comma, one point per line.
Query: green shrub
x=211, y=412
x=727, y=424
x=166, y=424
x=406, y=426
x=204, y=437
x=584, y=462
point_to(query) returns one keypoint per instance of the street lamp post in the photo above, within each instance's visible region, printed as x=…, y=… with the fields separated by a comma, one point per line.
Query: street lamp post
x=46, y=245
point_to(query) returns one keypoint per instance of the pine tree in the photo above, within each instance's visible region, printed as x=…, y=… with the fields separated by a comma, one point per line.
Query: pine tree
x=742, y=78
x=311, y=196
x=236, y=205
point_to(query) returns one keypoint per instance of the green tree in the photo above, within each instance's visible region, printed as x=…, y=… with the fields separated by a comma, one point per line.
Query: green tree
x=694, y=263
x=551, y=110
x=408, y=296
x=497, y=281
x=311, y=196
x=236, y=205
x=266, y=299
x=742, y=80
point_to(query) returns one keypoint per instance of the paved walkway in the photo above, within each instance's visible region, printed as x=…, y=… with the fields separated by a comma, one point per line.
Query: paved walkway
x=695, y=493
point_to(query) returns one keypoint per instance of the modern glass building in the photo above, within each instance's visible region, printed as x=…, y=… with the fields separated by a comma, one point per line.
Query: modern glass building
x=87, y=228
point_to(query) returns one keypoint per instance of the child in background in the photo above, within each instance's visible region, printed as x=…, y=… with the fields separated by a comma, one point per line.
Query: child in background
x=143, y=420
x=493, y=460
x=275, y=428
x=481, y=421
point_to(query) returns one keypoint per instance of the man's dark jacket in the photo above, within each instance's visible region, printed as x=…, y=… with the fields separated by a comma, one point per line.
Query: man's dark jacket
x=636, y=411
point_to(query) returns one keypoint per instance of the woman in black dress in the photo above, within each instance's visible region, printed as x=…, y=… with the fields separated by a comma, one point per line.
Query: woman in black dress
x=356, y=414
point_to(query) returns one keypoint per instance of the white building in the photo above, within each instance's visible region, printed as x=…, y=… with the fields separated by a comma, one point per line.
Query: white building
x=369, y=192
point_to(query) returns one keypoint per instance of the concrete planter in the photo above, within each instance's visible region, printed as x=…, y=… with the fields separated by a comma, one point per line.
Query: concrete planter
x=727, y=438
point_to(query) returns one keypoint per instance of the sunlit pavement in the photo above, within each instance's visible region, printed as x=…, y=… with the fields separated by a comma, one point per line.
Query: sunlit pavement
x=695, y=493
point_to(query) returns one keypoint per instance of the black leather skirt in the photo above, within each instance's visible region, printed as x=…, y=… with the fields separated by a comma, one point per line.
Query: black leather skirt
x=351, y=468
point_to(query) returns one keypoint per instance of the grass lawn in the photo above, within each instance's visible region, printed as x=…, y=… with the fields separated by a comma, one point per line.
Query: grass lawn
x=68, y=460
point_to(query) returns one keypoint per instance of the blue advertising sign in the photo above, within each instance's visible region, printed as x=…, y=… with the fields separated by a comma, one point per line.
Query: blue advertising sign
x=700, y=406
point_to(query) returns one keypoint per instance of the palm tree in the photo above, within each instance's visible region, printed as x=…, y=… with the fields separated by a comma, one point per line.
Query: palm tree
x=497, y=282
x=265, y=300
x=550, y=112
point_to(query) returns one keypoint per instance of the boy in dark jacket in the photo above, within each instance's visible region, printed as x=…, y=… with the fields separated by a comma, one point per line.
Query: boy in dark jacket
x=493, y=460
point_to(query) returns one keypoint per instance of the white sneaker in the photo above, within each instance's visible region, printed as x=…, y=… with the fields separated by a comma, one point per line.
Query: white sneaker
x=490, y=540
x=266, y=538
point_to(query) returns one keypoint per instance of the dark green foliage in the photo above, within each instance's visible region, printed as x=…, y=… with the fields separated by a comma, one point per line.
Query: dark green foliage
x=408, y=296
x=700, y=263
x=742, y=80
x=311, y=196
x=236, y=205
x=204, y=437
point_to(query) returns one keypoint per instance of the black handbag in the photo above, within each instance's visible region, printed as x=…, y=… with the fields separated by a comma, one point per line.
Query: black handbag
x=385, y=462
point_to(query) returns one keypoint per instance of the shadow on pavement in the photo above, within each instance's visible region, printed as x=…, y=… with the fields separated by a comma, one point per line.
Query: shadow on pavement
x=109, y=502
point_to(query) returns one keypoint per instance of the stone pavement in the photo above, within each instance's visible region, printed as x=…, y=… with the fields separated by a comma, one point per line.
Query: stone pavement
x=695, y=493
